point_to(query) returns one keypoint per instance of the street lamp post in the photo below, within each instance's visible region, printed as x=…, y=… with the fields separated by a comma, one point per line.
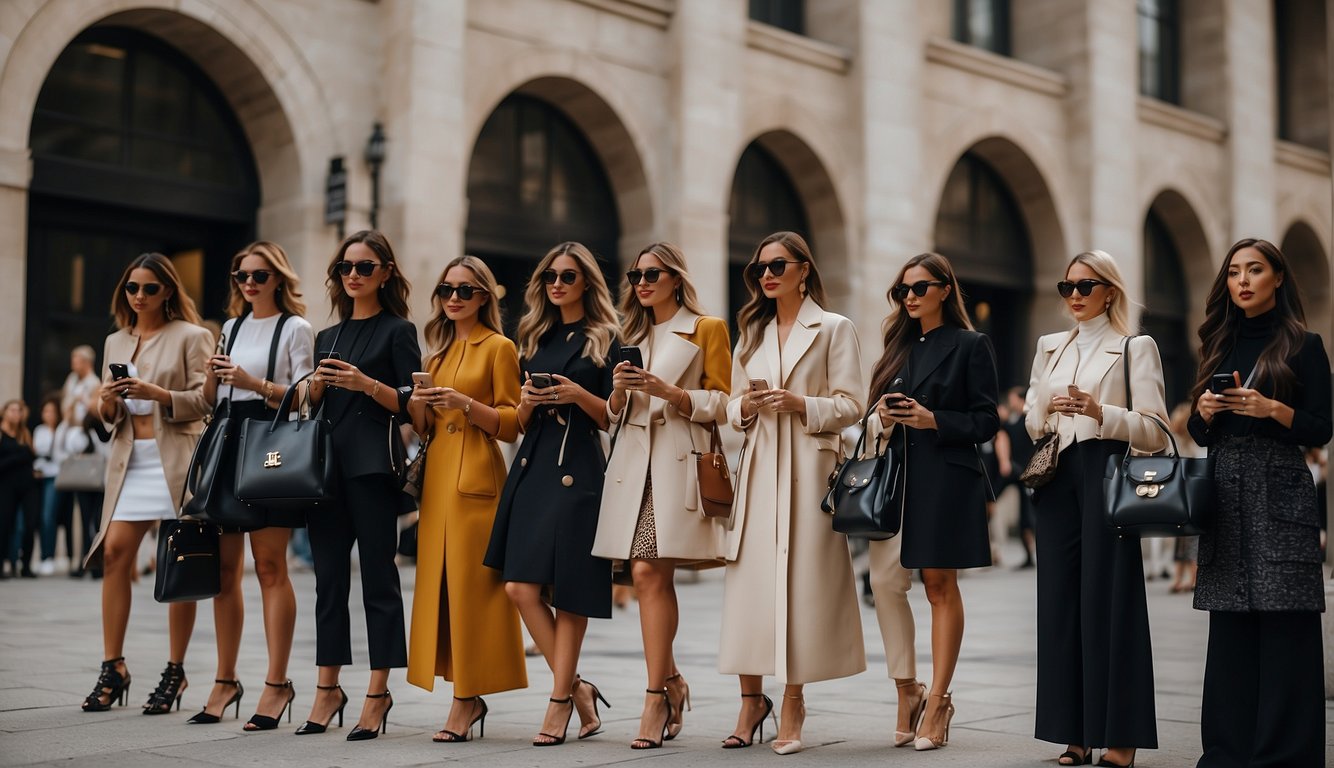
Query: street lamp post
x=375, y=159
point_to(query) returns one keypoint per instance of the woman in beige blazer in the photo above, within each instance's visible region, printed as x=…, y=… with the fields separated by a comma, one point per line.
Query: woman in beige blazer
x=790, y=601
x=1095, y=665
x=651, y=513
x=156, y=416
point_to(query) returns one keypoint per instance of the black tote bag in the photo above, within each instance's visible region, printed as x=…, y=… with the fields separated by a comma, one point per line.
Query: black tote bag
x=866, y=492
x=286, y=464
x=188, y=564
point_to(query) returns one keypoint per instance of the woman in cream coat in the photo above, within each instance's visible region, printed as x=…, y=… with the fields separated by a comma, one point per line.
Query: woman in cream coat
x=1095, y=663
x=651, y=513
x=790, y=601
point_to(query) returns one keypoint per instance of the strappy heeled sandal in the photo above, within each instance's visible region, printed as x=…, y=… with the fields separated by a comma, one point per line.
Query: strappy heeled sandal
x=554, y=740
x=365, y=734
x=111, y=687
x=258, y=722
x=736, y=742
x=642, y=743
x=597, y=696
x=310, y=726
x=170, y=688
x=202, y=717
x=449, y=737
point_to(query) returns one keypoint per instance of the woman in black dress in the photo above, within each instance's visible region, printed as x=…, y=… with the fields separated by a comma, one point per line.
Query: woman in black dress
x=548, y=511
x=1259, y=574
x=937, y=381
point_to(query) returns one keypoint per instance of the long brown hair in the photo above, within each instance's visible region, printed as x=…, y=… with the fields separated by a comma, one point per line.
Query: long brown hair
x=440, y=329
x=1222, y=319
x=22, y=433
x=394, y=292
x=635, y=319
x=178, y=306
x=287, y=296
x=900, y=329
x=600, y=321
x=760, y=309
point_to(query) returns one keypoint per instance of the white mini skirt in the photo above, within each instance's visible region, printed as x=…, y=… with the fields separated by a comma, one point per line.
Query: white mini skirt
x=144, y=494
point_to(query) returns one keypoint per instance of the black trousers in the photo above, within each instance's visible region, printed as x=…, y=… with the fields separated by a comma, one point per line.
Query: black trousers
x=20, y=499
x=1095, y=661
x=367, y=514
x=1264, y=698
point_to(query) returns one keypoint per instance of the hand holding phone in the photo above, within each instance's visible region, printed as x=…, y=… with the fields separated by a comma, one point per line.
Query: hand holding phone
x=1222, y=381
x=633, y=356
x=758, y=385
x=542, y=380
x=119, y=371
x=422, y=379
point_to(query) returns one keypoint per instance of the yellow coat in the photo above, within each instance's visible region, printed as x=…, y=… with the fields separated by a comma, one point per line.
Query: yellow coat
x=464, y=628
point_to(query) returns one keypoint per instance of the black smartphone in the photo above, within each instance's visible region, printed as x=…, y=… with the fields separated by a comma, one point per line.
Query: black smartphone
x=633, y=356
x=895, y=393
x=542, y=380
x=1221, y=381
x=119, y=371
x=328, y=356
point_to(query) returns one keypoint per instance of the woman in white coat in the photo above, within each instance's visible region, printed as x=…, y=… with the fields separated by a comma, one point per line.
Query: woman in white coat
x=790, y=601
x=651, y=514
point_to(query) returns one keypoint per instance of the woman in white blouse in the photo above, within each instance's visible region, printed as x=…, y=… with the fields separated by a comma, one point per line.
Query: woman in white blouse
x=267, y=345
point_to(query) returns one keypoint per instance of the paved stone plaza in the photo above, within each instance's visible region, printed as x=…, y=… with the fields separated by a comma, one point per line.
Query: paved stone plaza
x=50, y=647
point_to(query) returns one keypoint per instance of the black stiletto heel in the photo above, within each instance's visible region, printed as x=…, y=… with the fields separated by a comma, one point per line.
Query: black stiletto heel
x=170, y=688
x=557, y=740
x=597, y=696
x=311, y=726
x=736, y=742
x=479, y=720
x=363, y=734
x=642, y=743
x=204, y=718
x=110, y=684
x=260, y=722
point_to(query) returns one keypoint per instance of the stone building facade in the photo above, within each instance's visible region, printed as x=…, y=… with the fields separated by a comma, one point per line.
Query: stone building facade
x=1009, y=134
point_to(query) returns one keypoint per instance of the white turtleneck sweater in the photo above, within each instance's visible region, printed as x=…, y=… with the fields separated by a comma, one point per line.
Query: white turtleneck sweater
x=1073, y=367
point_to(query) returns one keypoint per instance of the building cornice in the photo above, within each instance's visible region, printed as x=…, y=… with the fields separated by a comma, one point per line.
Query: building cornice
x=1160, y=113
x=657, y=13
x=780, y=42
x=1301, y=157
x=979, y=61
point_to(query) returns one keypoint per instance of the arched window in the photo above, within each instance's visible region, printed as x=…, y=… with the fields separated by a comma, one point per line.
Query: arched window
x=980, y=229
x=763, y=201
x=1166, y=309
x=534, y=181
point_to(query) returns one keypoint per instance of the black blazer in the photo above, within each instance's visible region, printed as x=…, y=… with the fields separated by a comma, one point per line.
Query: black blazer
x=365, y=435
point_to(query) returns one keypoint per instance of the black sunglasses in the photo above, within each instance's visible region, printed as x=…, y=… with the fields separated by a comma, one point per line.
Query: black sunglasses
x=650, y=275
x=364, y=268
x=776, y=268
x=465, y=291
x=261, y=276
x=920, y=288
x=1085, y=287
x=568, y=276
x=149, y=289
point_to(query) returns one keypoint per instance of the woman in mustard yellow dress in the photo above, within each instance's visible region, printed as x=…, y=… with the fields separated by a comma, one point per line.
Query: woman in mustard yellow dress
x=464, y=627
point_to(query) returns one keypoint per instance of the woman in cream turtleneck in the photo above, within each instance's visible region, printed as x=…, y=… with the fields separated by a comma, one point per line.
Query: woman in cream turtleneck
x=1095, y=665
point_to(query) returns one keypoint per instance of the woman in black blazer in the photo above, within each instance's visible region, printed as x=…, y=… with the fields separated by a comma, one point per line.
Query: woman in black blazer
x=362, y=364
x=1260, y=576
x=937, y=382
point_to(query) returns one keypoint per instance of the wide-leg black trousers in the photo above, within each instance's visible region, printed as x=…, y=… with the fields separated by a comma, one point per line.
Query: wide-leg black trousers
x=1264, y=697
x=1095, y=661
x=366, y=514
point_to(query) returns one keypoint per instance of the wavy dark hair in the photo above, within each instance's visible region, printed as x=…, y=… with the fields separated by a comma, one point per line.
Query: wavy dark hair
x=900, y=329
x=394, y=292
x=1222, y=319
x=760, y=309
x=178, y=305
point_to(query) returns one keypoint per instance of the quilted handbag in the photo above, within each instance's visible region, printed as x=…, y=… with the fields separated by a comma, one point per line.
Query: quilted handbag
x=286, y=464
x=188, y=564
x=866, y=492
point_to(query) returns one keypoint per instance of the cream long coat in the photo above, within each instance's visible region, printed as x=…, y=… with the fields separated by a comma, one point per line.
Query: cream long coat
x=174, y=359
x=690, y=351
x=790, y=599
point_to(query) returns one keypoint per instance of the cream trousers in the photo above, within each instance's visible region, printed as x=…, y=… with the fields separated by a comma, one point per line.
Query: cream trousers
x=890, y=583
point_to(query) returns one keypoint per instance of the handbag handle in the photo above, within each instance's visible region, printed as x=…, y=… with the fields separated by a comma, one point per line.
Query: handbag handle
x=286, y=404
x=1125, y=367
x=1171, y=439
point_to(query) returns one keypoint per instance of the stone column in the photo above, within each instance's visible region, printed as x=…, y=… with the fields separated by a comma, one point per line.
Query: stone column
x=1252, y=127
x=15, y=175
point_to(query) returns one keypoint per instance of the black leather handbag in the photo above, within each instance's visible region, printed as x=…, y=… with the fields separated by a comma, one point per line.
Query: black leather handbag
x=866, y=492
x=1157, y=496
x=188, y=565
x=286, y=464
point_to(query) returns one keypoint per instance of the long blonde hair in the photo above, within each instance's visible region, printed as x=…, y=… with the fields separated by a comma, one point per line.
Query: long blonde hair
x=1104, y=266
x=635, y=319
x=440, y=329
x=287, y=296
x=760, y=309
x=600, y=321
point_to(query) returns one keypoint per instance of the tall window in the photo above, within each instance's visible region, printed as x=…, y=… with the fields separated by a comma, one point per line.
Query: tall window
x=1160, y=49
x=785, y=14
x=1301, y=56
x=764, y=201
x=983, y=23
x=1166, y=306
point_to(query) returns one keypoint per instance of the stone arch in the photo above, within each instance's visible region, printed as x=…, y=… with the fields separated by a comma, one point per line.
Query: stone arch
x=1179, y=213
x=1309, y=263
x=1179, y=266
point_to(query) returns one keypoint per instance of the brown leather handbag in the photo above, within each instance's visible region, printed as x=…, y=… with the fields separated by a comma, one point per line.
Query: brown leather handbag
x=715, y=480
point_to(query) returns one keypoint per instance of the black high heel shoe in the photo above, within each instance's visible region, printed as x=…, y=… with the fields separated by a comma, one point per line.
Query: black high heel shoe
x=557, y=740
x=311, y=726
x=170, y=688
x=260, y=722
x=363, y=734
x=642, y=743
x=678, y=710
x=597, y=696
x=204, y=718
x=449, y=737
x=111, y=685
x=1075, y=758
x=736, y=742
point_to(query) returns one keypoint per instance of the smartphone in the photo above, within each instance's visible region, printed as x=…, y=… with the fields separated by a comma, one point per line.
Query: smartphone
x=119, y=371
x=1221, y=381
x=328, y=356
x=422, y=379
x=542, y=380
x=758, y=385
x=895, y=393
x=633, y=356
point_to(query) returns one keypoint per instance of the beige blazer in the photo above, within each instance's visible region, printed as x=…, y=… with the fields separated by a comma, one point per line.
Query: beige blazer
x=1146, y=387
x=790, y=604
x=175, y=360
x=690, y=352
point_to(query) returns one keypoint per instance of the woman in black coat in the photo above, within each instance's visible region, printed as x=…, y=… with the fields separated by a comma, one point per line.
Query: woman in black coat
x=362, y=381
x=1260, y=574
x=548, y=513
x=937, y=381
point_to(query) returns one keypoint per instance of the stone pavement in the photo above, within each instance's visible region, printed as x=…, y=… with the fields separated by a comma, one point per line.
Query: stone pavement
x=50, y=648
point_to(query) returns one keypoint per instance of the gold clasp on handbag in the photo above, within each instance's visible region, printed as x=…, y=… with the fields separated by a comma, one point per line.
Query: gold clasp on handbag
x=1148, y=490
x=273, y=459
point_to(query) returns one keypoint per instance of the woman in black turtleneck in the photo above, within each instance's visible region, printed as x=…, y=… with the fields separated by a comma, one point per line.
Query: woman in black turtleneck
x=1260, y=575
